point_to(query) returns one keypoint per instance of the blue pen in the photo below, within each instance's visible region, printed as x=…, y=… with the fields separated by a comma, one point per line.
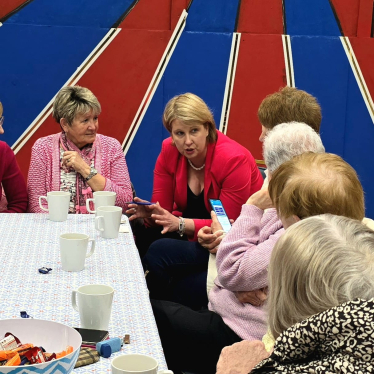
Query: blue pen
x=139, y=203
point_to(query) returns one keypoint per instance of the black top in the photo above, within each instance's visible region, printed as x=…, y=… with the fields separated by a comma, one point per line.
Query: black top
x=195, y=205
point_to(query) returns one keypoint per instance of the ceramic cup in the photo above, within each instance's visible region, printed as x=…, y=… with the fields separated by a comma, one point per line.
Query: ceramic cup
x=101, y=198
x=108, y=221
x=135, y=363
x=73, y=251
x=58, y=205
x=94, y=304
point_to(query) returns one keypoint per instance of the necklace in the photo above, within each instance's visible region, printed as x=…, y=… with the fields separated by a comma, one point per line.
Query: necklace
x=194, y=167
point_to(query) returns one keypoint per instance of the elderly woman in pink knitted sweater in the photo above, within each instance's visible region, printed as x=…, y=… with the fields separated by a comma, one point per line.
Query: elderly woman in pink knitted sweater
x=192, y=340
x=77, y=160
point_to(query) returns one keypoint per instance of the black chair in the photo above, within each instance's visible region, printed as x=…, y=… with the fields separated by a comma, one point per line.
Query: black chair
x=262, y=171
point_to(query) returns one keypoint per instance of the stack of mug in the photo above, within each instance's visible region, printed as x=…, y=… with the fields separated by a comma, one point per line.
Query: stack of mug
x=94, y=302
x=73, y=246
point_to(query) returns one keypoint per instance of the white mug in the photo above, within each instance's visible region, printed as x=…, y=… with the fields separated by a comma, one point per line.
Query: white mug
x=136, y=363
x=73, y=251
x=108, y=221
x=58, y=205
x=101, y=198
x=94, y=304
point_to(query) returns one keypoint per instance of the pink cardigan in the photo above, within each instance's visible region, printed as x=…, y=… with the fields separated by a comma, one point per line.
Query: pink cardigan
x=44, y=172
x=242, y=261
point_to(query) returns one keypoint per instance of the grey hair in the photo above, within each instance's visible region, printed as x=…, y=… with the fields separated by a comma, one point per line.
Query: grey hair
x=288, y=140
x=73, y=100
x=319, y=263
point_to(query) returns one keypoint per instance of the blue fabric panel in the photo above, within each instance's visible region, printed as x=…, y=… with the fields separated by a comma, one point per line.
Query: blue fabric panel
x=212, y=15
x=35, y=63
x=198, y=65
x=146, y=146
x=321, y=68
x=359, y=141
x=82, y=13
x=310, y=17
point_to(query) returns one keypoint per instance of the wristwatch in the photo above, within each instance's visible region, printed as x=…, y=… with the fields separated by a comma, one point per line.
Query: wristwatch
x=93, y=172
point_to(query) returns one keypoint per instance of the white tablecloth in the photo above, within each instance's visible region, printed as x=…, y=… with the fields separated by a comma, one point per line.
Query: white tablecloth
x=30, y=241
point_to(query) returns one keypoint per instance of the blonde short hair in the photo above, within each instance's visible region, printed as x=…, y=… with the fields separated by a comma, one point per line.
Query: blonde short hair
x=73, y=100
x=319, y=263
x=1, y=109
x=191, y=110
x=317, y=183
x=287, y=105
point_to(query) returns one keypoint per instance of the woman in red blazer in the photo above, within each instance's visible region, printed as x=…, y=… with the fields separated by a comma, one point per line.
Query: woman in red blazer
x=199, y=159
x=196, y=163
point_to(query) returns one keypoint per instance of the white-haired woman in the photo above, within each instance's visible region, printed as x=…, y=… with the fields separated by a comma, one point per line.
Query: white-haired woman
x=78, y=159
x=13, y=192
x=321, y=306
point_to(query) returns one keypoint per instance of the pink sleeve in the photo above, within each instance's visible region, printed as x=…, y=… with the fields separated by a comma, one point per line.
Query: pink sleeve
x=14, y=185
x=163, y=184
x=118, y=179
x=36, y=181
x=244, y=254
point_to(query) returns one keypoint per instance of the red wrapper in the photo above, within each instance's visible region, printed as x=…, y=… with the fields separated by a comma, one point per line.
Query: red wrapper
x=34, y=355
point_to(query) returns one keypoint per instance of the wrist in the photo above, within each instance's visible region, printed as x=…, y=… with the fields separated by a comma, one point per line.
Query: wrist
x=85, y=172
x=254, y=203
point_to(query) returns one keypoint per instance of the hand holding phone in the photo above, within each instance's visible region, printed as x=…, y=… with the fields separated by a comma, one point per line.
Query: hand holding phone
x=221, y=214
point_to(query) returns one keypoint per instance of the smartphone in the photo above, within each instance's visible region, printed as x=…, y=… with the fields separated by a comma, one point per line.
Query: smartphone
x=221, y=214
x=91, y=337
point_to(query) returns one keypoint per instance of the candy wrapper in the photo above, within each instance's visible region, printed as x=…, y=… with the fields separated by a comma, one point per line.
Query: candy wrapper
x=14, y=353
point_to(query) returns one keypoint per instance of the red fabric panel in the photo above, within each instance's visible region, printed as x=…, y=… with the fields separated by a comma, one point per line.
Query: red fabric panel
x=261, y=17
x=177, y=7
x=364, y=51
x=9, y=5
x=347, y=12
x=260, y=71
x=365, y=18
x=149, y=15
x=119, y=78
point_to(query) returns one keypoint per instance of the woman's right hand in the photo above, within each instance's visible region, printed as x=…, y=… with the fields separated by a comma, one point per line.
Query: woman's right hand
x=242, y=357
x=141, y=211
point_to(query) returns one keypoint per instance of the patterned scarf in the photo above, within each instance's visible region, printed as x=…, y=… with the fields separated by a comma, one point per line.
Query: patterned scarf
x=88, y=155
x=338, y=340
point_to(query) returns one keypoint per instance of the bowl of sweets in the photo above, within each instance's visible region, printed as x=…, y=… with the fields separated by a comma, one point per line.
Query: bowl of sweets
x=36, y=346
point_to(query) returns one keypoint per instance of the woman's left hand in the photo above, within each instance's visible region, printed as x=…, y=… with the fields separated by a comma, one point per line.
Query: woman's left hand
x=167, y=220
x=255, y=298
x=73, y=160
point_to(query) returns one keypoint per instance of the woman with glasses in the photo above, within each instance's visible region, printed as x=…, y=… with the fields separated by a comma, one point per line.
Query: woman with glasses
x=13, y=198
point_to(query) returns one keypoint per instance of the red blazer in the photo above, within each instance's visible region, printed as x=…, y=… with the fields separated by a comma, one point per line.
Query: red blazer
x=13, y=183
x=231, y=175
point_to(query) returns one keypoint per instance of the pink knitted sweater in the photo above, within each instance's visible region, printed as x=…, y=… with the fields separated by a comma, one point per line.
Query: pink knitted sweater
x=242, y=261
x=44, y=172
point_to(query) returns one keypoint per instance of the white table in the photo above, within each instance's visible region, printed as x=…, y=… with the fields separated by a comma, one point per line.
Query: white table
x=30, y=241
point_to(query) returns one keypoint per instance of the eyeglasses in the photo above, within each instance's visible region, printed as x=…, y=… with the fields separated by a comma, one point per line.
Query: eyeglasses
x=1, y=120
